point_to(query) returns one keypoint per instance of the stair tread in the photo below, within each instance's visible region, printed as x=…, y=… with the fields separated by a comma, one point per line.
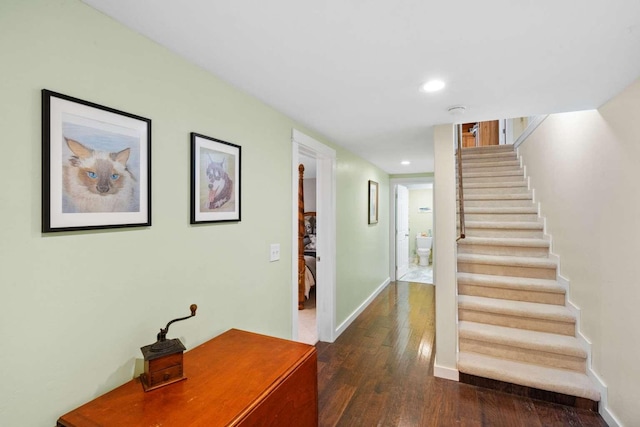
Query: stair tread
x=491, y=174
x=497, y=147
x=505, y=241
x=499, y=196
x=493, y=164
x=515, y=261
x=522, y=283
x=529, y=225
x=508, y=184
x=522, y=338
x=544, y=378
x=501, y=209
x=557, y=313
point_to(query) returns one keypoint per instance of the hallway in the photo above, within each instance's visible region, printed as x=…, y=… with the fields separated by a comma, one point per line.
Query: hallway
x=379, y=372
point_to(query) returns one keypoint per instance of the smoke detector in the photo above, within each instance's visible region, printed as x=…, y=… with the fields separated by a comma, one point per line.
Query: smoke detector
x=456, y=110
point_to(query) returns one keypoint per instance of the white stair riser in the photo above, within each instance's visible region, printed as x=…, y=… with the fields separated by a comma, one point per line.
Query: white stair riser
x=507, y=270
x=506, y=203
x=512, y=294
x=500, y=217
x=530, y=323
x=525, y=355
x=482, y=249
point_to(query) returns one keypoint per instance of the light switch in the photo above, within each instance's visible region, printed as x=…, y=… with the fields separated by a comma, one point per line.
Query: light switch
x=274, y=253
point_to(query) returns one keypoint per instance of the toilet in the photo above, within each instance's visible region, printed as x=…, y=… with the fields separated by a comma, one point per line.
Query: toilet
x=423, y=248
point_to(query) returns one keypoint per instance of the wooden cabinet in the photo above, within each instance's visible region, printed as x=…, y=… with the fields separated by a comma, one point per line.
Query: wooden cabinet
x=236, y=379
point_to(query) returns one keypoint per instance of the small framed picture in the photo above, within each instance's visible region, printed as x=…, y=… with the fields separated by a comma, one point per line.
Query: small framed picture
x=96, y=166
x=373, y=202
x=215, y=180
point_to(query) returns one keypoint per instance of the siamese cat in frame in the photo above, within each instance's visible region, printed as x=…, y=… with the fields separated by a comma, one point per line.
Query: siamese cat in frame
x=215, y=180
x=97, y=176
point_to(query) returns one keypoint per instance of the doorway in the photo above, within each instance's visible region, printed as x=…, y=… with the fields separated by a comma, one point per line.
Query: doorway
x=411, y=225
x=306, y=147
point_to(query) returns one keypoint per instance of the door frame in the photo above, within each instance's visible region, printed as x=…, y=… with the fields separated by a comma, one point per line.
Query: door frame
x=396, y=189
x=393, y=182
x=326, y=228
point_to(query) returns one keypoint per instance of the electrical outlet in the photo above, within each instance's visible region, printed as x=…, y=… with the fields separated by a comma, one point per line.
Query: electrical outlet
x=274, y=252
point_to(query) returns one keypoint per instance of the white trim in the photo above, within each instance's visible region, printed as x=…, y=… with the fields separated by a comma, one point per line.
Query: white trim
x=326, y=215
x=445, y=372
x=344, y=325
x=533, y=124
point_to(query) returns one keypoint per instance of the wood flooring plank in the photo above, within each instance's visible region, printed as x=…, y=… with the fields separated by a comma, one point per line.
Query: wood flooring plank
x=379, y=372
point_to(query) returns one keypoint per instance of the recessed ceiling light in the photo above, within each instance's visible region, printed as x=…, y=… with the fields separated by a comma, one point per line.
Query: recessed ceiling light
x=405, y=162
x=433, y=86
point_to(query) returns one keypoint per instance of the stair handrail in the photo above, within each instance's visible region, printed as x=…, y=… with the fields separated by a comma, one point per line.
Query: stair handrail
x=460, y=192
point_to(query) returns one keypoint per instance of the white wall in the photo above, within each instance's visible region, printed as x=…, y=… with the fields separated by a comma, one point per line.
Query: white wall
x=584, y=167
x=444, y=253
x=309, y=187
x=76, y=307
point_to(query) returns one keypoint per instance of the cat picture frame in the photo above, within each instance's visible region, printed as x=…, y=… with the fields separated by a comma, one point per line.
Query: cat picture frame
x=215, y=180
x=96, y=166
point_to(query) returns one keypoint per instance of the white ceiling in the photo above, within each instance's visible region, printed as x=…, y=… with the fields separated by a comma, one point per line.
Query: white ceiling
x=351, y=69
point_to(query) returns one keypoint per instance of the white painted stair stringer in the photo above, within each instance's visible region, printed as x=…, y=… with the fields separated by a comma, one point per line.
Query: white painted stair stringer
x=603, y=407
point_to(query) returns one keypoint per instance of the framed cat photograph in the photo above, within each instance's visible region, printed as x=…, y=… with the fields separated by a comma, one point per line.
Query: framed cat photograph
x=96, y=166
x=215, y=180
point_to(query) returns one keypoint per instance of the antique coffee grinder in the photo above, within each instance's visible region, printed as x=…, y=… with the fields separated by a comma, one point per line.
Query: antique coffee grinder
x=163, y=359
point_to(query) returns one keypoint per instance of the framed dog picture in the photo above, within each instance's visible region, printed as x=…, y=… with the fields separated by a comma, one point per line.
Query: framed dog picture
x=96, y=166
x=215, y=180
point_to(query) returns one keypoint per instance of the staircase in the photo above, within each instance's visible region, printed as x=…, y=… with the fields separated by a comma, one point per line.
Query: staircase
x=514, y=325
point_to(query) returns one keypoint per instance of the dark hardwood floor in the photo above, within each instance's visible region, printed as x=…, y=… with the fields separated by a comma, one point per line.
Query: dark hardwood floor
x=379, y=372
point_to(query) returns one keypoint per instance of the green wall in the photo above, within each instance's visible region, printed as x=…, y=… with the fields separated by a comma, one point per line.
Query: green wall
x=76, y=307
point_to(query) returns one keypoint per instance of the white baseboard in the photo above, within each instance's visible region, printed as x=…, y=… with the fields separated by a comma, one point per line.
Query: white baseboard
x=344, y=325
x=445, y=372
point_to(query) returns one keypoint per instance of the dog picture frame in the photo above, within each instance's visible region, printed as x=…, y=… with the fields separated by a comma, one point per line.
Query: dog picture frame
x=373, y=202
x=96, y=166
x=215, y=180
